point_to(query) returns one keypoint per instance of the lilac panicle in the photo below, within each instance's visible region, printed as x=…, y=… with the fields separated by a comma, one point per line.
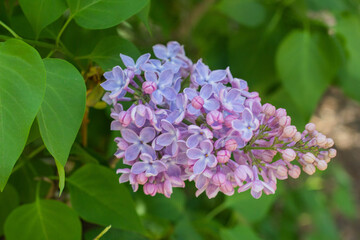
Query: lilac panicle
x=214, y=132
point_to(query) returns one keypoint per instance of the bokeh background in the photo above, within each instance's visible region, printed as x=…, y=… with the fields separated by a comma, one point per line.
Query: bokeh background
x=303, y=55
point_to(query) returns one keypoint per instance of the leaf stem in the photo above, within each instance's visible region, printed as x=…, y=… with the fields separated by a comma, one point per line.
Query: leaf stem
x=216, y=211
x=10, y=30
x=62, y=30
x=32, y=42
x=102, y=232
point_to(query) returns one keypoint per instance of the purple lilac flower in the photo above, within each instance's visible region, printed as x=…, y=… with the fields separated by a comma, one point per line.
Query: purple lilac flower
x=215, y=132
x=139, y=142
x=148, y=165
x=163, y=86
x=131, y=65
x=205, y=93
x=247, y=125
x=203, y=156
x=116, y=82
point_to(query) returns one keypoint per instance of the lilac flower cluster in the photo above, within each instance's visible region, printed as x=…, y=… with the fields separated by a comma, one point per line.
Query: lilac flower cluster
x=190, y=123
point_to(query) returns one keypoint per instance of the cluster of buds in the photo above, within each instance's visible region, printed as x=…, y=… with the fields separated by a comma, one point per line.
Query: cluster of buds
x=190, y=123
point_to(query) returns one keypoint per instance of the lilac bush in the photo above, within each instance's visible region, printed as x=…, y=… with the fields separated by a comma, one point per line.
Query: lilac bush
x=190, y=123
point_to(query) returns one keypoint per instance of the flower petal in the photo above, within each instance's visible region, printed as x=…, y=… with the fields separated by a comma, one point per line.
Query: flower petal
x=169, y=93
x=206, y=91
x=193, y=141
x=194, y=153
x=129, y=135
x=128, y=61
x=199, y=166
x=165, y=139
x=139, y=167
x=132, y=152
x=147, y=134
x=217, y=76
x=211, y=104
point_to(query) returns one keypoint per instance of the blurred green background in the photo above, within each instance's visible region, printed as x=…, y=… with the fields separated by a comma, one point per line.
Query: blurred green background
x=303, y=55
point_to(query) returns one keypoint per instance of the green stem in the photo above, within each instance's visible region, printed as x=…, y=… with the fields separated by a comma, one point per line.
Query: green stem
x=31, y=42
x=36, y=151
x=102, y=232
x=216, y=211
x=10, y=30
x=62, y=30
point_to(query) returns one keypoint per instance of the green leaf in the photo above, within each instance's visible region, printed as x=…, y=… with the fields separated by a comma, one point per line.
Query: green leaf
x=63, y=108
x=43, y=220
x=304, y=69
x=247, y=12
x=9, y=200
x=100, y=14
x=98, y=198
x=184, y=229
x=24, y=181
x=253, y=210
x=143, y=15
x=239, y=232
x=41, y=13
x=107, y=52
x=22, y=88
x=349, y=28
x=112, y=234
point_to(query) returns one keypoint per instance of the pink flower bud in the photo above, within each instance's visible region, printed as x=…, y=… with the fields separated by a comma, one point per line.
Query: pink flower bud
x=321, y=140
x=149, y=87
x=289, y=131
x=296, y=137
x=309, y=157
x=141, y=178
x=309, y=169
x=223, y=156
x=231, y=145
x=268, y=109
x=289, y=154
x=197, y=102
x=280, y=112
x=150, y=189
x=295, y=171
x=215, y=119
x=268, y=155
x=227, y=188
x=282, y=121
x=125, y=118
x=219, y=178
x=332, y=152
x=310, y=127
x=282, y=171
x=321, y=165
x=329, y=143
x=229, y=119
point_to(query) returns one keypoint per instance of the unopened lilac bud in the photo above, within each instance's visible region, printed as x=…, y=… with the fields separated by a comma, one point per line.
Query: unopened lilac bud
x=149, y=87
x=150, y=189
x=125, y=118
x=227, y=188
x=321, y=140
x=268, y=109
x=197, y=102
x=321, y=165
x=268, y=155
x=310, y=127
x=229, y=119
x=231, y=145
x=223, y=156
x=282, y=171
x=280, y=112
x=332, y=152
x=219, y=178
x=295, y=171
x=215, y=119
x=289, y=131
x=309, y=169
x=309, y=157
x=288, y=154
x=296, y=137
x=141, y=178
x=329, y=143
x=282, y=121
